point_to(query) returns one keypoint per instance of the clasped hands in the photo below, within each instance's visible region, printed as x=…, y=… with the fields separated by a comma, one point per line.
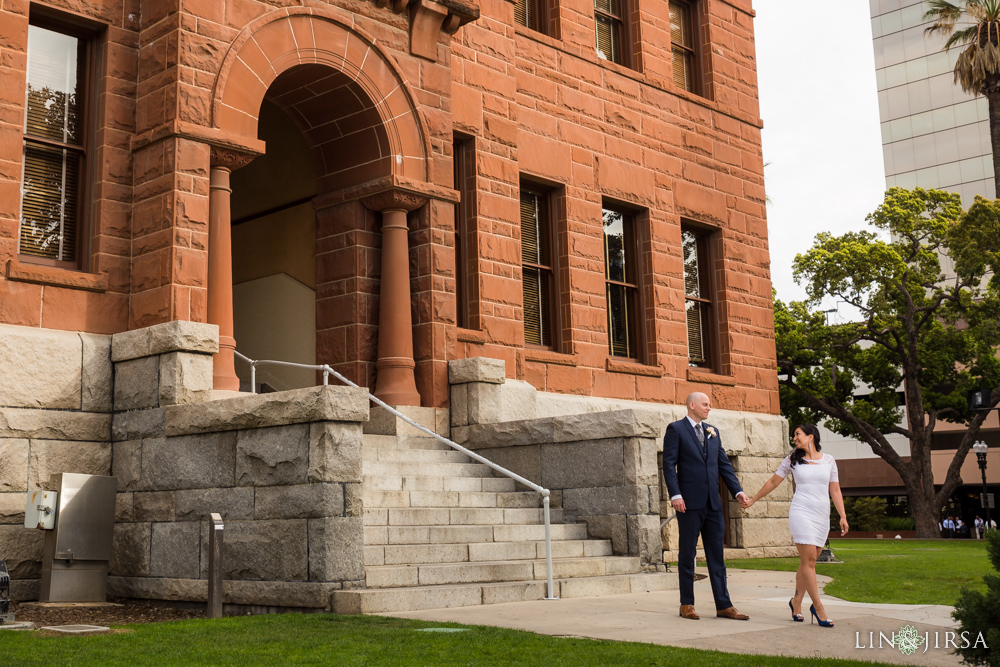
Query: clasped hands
x=743, y=499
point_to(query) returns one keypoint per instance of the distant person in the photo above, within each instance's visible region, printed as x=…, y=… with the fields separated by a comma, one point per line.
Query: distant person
x=816, y=481
x=961, y=530
x=990, y=525
x=979, y=526
x=949, y=527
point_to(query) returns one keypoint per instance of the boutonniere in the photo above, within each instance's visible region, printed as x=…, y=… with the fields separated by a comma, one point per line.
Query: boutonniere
x=711, y=431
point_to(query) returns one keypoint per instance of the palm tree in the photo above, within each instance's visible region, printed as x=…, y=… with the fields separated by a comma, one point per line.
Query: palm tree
x=975, y=26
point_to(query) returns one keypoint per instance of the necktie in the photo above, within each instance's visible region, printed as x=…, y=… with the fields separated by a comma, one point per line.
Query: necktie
x=701, y=434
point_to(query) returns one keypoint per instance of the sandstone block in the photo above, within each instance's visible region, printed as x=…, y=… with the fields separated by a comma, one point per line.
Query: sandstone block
x=525, y=461
x=97, y=377
x=262, y=550
x=175, y=550
x=123, y=507
x=731, y=426
x=641, y=457
x=353, y=503
x=174, y=336
x=137, y=424
x=13, y=464
x=189, y=462
x=303, y=501
x=185, y=378
x=234, y=504
x=765, y=435
x=12, y=509
x=130, y=550
x=762, y=533
x=778, y=510
x=644, y=538
x=147, y=588
x=25, y=590
x=336, y=549
x=608, y=527
x=126, y=463
x=297, y=406
x=53, y=456
x=153, y=506
x=40, y=368
x=484, y=404
x=22, y=550
x=627, y=423
x=517, y=401
x=588, y=463
x=334, y=452
x=606, y=500
x=54, y=424
x=307, y=595
x=137, y=384
x=459, y=405
x=477, y=369
x=382, y=422
x=275, y=455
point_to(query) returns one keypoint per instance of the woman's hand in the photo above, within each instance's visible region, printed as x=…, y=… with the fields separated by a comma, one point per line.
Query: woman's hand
x=843, y=526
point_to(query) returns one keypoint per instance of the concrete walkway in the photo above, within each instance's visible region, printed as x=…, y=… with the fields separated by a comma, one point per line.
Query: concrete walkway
x=653, y=618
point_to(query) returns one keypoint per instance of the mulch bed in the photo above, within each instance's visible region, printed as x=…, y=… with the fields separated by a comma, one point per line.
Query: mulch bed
x=131, y=611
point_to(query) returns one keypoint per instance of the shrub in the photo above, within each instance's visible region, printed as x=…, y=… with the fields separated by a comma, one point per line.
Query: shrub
x=899, y=523
x=866, y=513
x=978, y=612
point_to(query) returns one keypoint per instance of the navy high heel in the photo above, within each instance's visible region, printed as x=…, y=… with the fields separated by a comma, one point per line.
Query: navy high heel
x=826, y=624
x=795, y=617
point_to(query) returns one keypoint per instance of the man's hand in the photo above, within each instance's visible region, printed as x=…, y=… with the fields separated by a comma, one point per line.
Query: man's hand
x=744, y=500
x=679, y=505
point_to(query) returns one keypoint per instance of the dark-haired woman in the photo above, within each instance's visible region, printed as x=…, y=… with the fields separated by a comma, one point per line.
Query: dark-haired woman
x=816, y=481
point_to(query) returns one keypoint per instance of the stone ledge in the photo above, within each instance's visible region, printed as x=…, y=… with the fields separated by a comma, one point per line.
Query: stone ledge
x=51, y=275
x=54, y=424
x=630, y=423
x=695, y=375
x=175, y=336
x=476, y=369
x=632, y=368
x=550, y=357
x=298, y=406
x=310, y=595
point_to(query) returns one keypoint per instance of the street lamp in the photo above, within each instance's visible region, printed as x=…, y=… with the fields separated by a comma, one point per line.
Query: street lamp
x=981, y=448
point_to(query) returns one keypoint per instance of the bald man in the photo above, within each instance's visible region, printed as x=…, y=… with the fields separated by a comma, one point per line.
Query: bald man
x=693, y=462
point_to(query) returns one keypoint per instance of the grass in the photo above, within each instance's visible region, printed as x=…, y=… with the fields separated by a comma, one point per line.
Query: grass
x=352, y=640
x=895, y=571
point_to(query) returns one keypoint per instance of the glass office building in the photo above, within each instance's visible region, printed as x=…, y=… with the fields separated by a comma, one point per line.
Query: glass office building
x=933, y=134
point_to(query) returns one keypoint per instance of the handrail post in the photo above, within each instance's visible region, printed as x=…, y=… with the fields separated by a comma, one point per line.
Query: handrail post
x=326, y=376
x=253, y=377
x=215, y=534
x=548, y=547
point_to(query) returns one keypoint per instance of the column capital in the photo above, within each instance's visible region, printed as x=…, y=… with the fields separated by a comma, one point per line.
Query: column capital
x=394, y=200
x=230, y=158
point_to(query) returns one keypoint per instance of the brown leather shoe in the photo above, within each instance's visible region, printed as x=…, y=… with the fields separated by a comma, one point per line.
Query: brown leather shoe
x=687, y=611
x=731, y=612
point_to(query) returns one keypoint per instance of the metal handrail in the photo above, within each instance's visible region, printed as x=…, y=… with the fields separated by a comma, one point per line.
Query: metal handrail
x=327, y=372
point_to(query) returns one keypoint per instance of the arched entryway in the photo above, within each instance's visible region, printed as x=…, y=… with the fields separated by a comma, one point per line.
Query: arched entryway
x=345, y=110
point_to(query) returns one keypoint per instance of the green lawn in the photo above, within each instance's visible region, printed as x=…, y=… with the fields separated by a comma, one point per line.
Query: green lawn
x=895, y=571
x=350, y=640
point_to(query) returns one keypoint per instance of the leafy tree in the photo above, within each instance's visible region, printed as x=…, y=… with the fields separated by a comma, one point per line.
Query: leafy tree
x=865, y=513
x=931, y=335
x=978, y=67
x=979, y=613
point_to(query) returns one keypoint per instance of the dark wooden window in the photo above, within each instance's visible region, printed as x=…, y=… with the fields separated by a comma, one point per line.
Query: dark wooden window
x=698, y=301
x=537, y=273
x=532, y=14
x=611, y=29
x=465, y=172
x=53, y=196
x=622, y=279
x=683, y=45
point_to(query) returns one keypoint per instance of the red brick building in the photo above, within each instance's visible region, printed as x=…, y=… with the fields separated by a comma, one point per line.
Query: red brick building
x=573, y=187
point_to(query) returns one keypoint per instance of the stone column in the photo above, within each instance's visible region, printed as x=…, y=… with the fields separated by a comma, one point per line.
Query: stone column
x=394, y=382
x=220, y=264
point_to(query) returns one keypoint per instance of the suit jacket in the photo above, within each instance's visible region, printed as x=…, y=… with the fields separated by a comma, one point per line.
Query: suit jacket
x=693, y=471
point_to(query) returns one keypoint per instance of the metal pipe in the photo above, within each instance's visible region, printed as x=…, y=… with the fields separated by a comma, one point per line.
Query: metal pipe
x=548, y=548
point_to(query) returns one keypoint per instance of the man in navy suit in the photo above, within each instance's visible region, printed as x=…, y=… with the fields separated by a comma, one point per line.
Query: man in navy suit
x=693, y=461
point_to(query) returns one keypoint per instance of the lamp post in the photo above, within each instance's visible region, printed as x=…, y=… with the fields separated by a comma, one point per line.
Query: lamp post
x=981, y=448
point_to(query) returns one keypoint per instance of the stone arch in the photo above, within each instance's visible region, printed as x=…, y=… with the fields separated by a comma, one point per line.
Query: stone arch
x=285, y=39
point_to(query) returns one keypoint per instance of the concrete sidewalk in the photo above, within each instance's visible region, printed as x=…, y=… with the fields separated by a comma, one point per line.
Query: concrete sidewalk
x=653, y=618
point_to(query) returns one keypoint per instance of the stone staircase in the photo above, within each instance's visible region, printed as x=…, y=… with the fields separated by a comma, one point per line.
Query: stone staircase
x=441, y=531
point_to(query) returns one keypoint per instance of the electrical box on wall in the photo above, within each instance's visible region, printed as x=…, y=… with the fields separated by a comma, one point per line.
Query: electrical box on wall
x=40, y=511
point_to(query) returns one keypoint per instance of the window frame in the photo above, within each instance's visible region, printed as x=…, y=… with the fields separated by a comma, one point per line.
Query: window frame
x=466, y=246
x=542, y=16
x=86, y=32
x=624, y=22
x=635, y=319
x=553, y=325
x=705, y=238
x=693, y=51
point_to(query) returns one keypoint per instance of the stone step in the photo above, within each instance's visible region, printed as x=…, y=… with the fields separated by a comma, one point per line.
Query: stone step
x=457, y=516
x=409, y=468
x=373, y=601
x=374, y=498
x=372, y=454
x=416, y=554
x=408, y=482
x=386, y=534
x=434, y=574
x=382, y=422
x=404, y=442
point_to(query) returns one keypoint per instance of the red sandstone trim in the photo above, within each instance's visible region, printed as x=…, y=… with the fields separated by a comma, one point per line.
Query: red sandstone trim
x=550, y=357
x=695, y=375
x=50, y=275
x=632, y=368
x=470, y=336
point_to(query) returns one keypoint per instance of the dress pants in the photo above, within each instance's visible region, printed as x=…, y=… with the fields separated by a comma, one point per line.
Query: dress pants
x=709, y=524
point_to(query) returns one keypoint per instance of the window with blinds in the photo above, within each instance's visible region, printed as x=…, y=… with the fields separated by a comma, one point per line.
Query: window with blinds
x=697, y=298
x=530, y=14
x=682, y=44
x=622, y=282
x=53, y=147
x=463, y=157
x=609, y=22
x=536, y=268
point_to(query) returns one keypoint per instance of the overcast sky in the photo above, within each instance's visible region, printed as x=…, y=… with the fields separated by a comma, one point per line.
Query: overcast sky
x=822, y=143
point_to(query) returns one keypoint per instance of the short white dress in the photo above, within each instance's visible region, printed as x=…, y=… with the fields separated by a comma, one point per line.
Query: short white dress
x=809, y=515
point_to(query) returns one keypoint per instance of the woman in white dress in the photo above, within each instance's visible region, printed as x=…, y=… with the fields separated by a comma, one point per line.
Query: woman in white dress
x=816, y=481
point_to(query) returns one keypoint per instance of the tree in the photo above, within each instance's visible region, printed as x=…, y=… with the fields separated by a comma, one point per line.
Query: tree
x=978, y=613
x=978, y=67
x=934, y=337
